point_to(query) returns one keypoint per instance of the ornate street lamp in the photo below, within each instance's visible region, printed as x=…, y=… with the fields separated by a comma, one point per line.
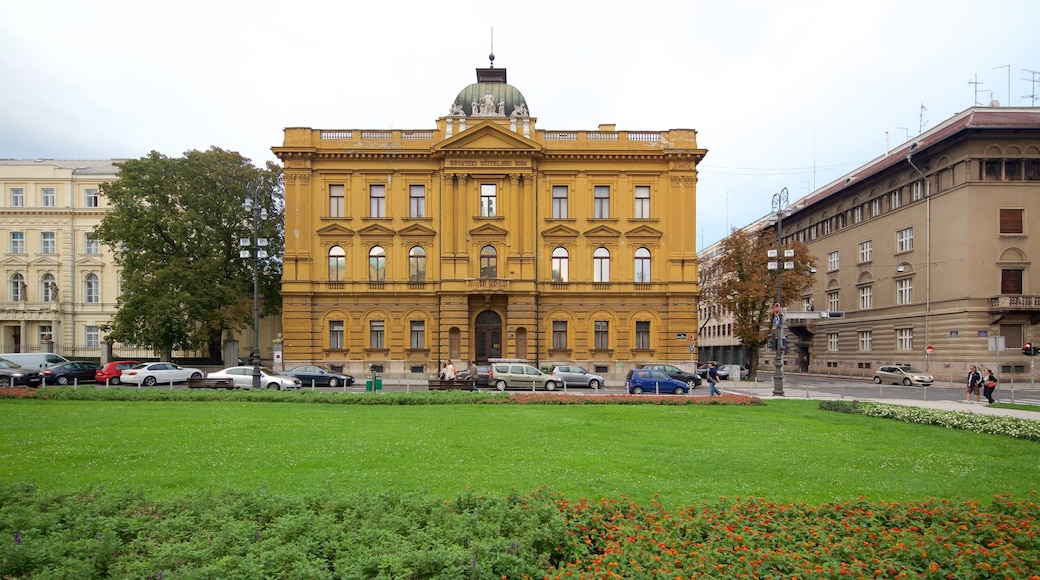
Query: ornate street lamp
x=780, y=203
x=254, y=248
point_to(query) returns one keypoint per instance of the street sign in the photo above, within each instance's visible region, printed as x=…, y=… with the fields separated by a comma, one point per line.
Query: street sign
x=776, y=308
x=928, y=349
x=680, y=335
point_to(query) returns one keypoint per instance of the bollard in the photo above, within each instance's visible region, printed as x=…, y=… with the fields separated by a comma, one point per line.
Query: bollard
x=312, y=384
x=807, y=390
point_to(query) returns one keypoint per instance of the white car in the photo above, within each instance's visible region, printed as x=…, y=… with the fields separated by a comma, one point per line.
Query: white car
x=153, y=373
x=243, y=378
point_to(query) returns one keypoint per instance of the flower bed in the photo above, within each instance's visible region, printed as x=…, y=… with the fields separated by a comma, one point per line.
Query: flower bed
x=975, y=422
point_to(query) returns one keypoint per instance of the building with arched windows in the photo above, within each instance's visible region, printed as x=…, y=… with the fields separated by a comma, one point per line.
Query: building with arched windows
x=489, y=238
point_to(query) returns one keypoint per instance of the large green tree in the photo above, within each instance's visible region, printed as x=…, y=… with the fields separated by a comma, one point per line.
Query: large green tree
x=742, y=283
x=174, y=228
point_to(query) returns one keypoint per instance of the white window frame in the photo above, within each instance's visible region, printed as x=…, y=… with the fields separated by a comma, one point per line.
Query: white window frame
x=866, y=340
x=833, y=260
x=17, y=242
x=875, y=207
x=642, y=202
x=417, y=200
x=857, y=214
x=48, y=243
x=832, y=342
x=90, y=197
x=47, y=197
x=92, y=289
x=377, y=334
x=905, y=240
x=45, y=333
x=866, y=297
x=417, y=334
x=337, y=200
x=17, y=196
x=895, y=199
x=91, y=245
x=905, y=339
x=643, y=266
x=601, y=202
x=832, y=301
x=488, y=200
x=91, y=336
x=560, y=265
x=336, y=333
x=904, y=291
x=866, y=251
x=559, y=201
x=601, y=265
x=376, y=200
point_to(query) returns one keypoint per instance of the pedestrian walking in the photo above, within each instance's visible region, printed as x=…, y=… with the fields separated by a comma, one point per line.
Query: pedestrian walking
x=713, y=379
x=974, y=382
x=989, y=384
x=449, y=371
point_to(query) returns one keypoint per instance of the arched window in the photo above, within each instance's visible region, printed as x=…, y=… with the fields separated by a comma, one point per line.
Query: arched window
x=417, y=264
x=488, y=262
x=601, y=265
x=377, y=264
x=93, y=289
x=560, y=265
x=337, y=264
x=17, y=288
x=49, y=289
x=643, y=265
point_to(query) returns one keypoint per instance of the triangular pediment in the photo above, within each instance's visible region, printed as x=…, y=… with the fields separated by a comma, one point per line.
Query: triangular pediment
x=335, y=230
x=560, y=231
x=376, y=230
x=94, y=261
x=45, y=261
x=418, y=231
x=602, y=232
x=643, y=231
x=14, y=261
x=487, y=137
x=488, y=230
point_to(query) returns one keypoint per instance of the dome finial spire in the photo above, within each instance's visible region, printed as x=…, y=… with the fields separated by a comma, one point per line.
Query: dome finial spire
x=492, y=55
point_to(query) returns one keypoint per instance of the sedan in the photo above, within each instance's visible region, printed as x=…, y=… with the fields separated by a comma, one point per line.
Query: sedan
x=243, y=378
x=576, y=376
x=319, y=376
x=902, y=375
x=12, y=375
x=70, y=373
x=641, y=381
x=149, y=374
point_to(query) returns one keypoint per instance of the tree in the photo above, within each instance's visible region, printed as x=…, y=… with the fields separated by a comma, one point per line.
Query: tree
x=174, y=228
x=745, y=286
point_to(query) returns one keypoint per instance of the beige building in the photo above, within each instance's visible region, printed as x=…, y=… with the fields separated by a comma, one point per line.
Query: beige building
x=930, y=245
x=487, y=237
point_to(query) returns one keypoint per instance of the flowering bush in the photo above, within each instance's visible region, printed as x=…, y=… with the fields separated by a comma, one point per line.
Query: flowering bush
x=976, y=422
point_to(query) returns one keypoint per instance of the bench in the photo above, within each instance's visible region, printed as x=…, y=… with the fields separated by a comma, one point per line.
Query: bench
x=211, y=384
x=449, y=385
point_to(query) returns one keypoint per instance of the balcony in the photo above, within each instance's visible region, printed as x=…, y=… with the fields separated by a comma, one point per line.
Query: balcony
x=1001, y=306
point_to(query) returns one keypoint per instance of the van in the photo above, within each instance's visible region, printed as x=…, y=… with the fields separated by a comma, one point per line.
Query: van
x=34, y=360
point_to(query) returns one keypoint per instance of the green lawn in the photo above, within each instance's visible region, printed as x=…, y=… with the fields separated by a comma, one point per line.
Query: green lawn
x=782, y=451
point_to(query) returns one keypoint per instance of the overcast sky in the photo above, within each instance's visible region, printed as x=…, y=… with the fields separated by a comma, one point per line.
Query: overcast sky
x=782, y=94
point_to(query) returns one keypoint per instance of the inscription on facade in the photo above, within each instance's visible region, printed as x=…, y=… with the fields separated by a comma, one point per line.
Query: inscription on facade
x=487, y=163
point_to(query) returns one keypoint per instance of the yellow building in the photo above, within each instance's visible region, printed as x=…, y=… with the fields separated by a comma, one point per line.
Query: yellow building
x=486, y=238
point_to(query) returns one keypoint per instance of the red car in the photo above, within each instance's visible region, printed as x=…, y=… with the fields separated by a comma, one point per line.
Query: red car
x=111, y=372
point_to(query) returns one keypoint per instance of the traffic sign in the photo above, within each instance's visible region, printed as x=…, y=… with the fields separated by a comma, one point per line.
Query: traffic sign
x=928, y=349
x=776, y=308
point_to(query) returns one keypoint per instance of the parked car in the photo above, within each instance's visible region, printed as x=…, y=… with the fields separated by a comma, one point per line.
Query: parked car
x=111, y=372
x=702, y=372
x=149, y=374
x=13, y=375
x=319, y=376
x=483, y=372
x=902, y=375
x=645, y=380
x=692, y=380
x=735, y=371
x=576, y=376
x=34, y=360
x=70, y=373
x=517, y=375
x=243, y=378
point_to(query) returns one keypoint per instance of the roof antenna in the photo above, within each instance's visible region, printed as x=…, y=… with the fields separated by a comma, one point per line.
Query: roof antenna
x=492, y=55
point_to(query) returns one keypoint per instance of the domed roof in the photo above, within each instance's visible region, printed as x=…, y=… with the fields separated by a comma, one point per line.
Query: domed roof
x=490, y=96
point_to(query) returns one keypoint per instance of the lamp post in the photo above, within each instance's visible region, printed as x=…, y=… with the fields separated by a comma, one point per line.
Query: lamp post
x=254, y=248
x=780, y=203
x=927, y=252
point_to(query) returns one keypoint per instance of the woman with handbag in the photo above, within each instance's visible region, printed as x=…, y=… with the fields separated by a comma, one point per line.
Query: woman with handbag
x=989, y=384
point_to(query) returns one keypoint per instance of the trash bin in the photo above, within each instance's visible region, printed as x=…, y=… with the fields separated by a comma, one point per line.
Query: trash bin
x=378, y=382
x=368, y=385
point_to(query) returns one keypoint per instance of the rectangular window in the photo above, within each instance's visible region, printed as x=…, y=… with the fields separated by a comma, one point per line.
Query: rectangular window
x=488, y=200
x=17, y=197
x=875, y=207
x=90, y=197
x=643, y=335
x=904, y=339
x=559, y=201
x=93, y=289
x=377, y=201
x=832, y=301
x=559, y=336
x=916, y=191
x=46, y=334
x=376, y=334
x=866, y=340
x=832, y=261
x=905, y=240
x=601, y=340
x=47, y=197
x=642, y=209
x=91, y=245
x=17, y=242
x=1011, y=281
x=336, y=334
x=832, y=341
x=601, y=202
x=807, y=303
x=992, y=170
x=1011, y=221
x=336, y=200
x=904, y=291
x=895, y=199
x=417, y=337
x=826, y=225
x=866, y=297
x=857, y=214
x=47, y=245
x=92, y=337
x=866, y=251
x=417, y=201
x=1013, y=170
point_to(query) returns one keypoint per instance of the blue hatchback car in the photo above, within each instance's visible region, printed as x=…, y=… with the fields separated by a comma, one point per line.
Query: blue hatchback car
x=641, y=381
